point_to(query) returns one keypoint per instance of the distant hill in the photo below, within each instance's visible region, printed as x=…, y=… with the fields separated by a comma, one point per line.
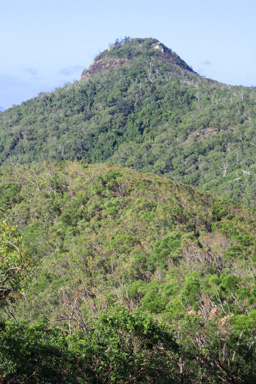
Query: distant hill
x=1, y=109
x=141, y=105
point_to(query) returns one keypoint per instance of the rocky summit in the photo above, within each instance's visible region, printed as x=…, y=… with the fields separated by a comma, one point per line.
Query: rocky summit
x=121, y=53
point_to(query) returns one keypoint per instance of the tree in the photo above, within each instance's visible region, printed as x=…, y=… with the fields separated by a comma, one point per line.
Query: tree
x=14, y=264
x=125, y=347
x=33, y=353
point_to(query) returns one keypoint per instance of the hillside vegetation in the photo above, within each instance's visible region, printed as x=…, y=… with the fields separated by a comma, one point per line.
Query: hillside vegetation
x=140, y=105
x=133, y=278
x=115, y=266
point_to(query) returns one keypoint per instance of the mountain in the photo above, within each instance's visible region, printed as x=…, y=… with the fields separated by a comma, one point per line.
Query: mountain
x=130, y=277
x=113, y=275
x=139, y=104
x=1, y=109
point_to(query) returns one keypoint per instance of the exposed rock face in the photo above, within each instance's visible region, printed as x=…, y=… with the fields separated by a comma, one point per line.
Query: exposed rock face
x=103, y=65
x=122, y=53
x=158, y=47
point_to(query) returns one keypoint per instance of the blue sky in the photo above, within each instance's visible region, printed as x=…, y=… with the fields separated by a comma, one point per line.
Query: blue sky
x=46, y=44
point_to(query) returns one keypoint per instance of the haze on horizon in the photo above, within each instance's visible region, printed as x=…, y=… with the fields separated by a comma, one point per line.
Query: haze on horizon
x=47, y=44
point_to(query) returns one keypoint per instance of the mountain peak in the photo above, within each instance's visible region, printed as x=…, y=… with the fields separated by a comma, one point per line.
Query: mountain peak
x=123, y=52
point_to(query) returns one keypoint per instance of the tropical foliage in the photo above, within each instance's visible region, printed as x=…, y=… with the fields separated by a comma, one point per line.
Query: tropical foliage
x=135, y=278
x=110, y=275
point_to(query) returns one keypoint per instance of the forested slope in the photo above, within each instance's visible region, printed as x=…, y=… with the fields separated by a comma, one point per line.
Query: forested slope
x=146, y=279
x=119, y=275
x=140, y=105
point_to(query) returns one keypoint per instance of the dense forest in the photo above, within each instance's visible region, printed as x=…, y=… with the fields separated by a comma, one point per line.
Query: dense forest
x=115, y=265
x=125, y=278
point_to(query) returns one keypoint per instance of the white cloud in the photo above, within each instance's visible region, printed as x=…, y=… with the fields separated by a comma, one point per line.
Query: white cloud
x=31, y=71
x=9, y=81
x=69, y=71
x=207, y=62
